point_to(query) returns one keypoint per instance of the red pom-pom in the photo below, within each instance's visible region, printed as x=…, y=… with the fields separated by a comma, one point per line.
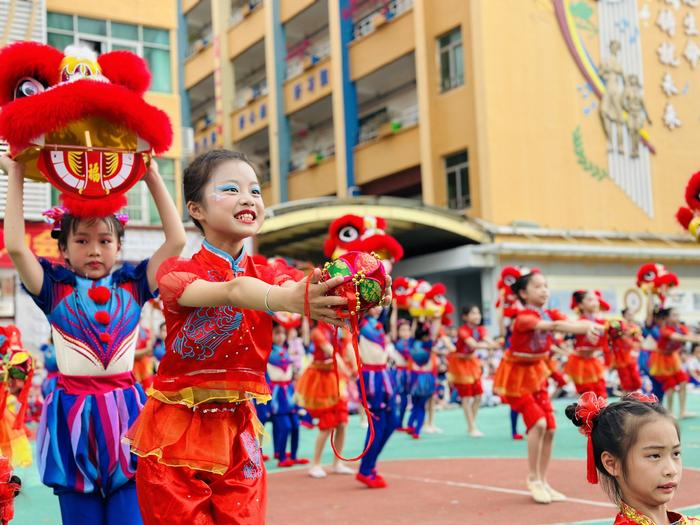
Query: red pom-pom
x=99, y=294
x=88, y=208
x=105, y=337
x=684, y=216
x=102, y=317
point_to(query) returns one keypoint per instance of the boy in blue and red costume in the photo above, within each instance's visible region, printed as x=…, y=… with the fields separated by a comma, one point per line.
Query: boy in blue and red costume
x=282, y=409
x=380, y=394
x=402, y=337
x=423, y=378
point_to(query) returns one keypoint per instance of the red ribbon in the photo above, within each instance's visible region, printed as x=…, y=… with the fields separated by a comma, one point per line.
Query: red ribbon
x=587, y=410
x=355, y=333
x=24, y=401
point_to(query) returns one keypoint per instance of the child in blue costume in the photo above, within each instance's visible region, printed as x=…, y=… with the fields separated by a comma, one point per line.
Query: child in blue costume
x=423, y=382
x=402, y=337
x=380, y=394
x=51, y=366
x=282, y=408
x=94, y=314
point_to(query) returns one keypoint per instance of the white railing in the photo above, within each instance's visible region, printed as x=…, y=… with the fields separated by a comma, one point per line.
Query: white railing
x=365, y=25
x=300, y=157
x=398, y=118
x=247, y=94
x=239, y=13
x=200, y=43
x=317, y=50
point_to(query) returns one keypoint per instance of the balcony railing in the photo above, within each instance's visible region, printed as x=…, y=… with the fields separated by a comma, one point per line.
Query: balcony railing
x=243, y=10
x=200, y=42
x=313, y=52
x=369, y=23
x=247, y=94
x=388, y=122
x=306, y=157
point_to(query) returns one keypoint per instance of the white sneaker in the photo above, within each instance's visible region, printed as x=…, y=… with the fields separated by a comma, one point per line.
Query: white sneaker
x=539, y=492
x=364, y=424
x=476, y=433
x=554, y=494
x=339, y=468
x=317, y=472
x=429, y=430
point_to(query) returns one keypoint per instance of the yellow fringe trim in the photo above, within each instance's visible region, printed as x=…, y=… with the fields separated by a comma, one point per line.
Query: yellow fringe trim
x=196, y=396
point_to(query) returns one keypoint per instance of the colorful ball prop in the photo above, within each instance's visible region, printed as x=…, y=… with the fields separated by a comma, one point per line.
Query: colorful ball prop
x=364, y=279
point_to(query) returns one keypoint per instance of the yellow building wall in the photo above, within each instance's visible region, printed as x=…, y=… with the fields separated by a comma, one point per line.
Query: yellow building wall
x=532, y=105
x=290, y=8
x=154, y=13
x=312, y=182
x=387, y=155
x=452, y=113
x=247, y=32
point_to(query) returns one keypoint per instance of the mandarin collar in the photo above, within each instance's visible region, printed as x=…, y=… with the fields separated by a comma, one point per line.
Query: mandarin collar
x=232, y=262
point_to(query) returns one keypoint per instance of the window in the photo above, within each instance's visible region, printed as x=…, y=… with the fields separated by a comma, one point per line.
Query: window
x=151, y=43
x=457, y=171
x=451, y=60
x=141, y=208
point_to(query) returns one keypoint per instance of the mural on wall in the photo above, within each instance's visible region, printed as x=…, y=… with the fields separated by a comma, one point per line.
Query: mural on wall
x=616, y=81
x=609, y=41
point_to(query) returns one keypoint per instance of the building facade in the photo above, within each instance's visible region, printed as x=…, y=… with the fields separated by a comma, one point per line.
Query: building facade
x=146, y=28
x=550, y=132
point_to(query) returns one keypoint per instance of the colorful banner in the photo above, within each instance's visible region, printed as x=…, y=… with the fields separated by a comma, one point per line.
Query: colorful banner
x=38, y=238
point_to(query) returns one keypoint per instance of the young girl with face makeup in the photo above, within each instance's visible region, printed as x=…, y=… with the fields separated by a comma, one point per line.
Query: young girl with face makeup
x=198, y=434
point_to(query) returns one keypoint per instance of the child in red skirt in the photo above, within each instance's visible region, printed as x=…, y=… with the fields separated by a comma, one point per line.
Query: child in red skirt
x=521, y=378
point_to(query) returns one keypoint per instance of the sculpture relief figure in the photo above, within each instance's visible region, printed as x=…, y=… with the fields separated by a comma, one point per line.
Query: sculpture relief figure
x=637, y=115
x=611, y=112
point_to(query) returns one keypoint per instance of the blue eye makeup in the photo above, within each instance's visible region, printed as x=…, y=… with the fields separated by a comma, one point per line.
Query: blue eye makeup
x=255, y=190
x=227, y=187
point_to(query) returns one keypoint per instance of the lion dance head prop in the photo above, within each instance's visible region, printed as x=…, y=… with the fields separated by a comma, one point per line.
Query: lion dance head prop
x=80, y=122
x=656, y=278
x=353, y=233
x=689, y=217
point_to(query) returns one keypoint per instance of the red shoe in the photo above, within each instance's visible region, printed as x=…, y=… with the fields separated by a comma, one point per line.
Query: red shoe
x=518, y=437
x=265, y=457
x=415, y=436
x=277, y=455
x=372, y=481
x=378, y=476
x=289, y=462
x=410, y=430
x=402, y=429
x=306, y=424
x=301, y=461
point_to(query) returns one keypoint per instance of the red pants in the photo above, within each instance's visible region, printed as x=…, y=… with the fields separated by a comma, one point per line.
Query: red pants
x=629, y=378
x=534, y=407
x=179, y=495
x=598, y=387
x=472, y=390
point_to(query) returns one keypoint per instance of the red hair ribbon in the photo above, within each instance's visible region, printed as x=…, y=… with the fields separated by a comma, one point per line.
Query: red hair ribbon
x=587, y=410
x=644, y=398
x=355, y=332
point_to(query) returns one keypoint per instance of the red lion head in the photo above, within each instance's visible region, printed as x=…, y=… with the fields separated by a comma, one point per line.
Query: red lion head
x=351, y=233
x=80, y=121
x=690, y=217
x=404, y=288
x=655, y=277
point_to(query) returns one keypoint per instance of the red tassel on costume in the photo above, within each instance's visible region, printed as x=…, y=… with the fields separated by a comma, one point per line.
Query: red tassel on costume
x=23, y=401
x=102, y=317
x=99, y=294
x=105, y=337
x=591, y=471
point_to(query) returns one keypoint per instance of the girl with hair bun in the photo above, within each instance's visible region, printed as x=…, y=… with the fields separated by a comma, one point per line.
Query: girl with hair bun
x=634, y=450
x=584, y=366
x=521, y=378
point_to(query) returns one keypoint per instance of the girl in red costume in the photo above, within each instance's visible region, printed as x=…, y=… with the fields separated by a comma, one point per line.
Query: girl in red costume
x=634, y=449
x=521, y=378
x=624, y=341
x=584, y=366
x=197, y=436
x=665, y=365
x=319, y=393
x=464, y=367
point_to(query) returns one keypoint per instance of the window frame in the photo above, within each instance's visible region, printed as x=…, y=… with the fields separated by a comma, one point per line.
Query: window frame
x=109, y=41
x=449, y=50
x=463, y=200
